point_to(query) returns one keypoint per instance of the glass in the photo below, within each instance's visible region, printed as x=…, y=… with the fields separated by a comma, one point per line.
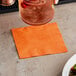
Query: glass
x=7, y=2
x=36, y=12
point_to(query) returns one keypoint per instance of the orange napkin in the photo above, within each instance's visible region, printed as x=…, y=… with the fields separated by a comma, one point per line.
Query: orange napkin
x=38, y=40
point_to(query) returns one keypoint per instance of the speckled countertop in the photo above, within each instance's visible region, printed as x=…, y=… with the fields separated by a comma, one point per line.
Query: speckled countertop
x=49, y=65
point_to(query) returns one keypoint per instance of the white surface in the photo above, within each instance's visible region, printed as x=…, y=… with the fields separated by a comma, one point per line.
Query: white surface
x=69, y=65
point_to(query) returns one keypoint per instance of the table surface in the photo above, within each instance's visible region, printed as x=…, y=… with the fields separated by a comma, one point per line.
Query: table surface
x=49, y=65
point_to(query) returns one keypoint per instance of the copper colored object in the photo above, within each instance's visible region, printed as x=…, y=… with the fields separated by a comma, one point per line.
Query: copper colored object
x=7, y=2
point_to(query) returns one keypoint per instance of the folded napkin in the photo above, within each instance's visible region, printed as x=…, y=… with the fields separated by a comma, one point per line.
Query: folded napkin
x=34, y=41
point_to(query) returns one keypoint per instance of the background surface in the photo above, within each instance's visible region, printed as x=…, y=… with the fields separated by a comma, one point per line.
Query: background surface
x=49, y=65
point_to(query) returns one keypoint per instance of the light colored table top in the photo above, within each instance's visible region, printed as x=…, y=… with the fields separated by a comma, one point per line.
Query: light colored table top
x=49, y=65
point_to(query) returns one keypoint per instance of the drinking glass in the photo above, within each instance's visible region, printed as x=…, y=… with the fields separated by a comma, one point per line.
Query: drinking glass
x=36, y=12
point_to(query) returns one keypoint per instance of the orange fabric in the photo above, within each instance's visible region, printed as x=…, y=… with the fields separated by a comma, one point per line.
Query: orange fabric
x=38, y=40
